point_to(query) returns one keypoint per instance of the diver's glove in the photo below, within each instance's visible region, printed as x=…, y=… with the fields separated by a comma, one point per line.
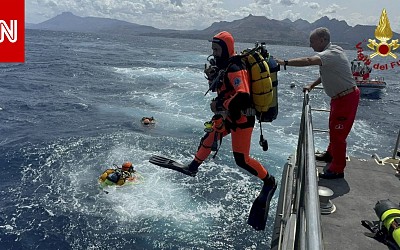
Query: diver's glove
x=217, y=105
x=211, y=72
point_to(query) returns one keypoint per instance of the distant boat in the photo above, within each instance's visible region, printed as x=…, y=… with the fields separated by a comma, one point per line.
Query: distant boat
x=371, y=87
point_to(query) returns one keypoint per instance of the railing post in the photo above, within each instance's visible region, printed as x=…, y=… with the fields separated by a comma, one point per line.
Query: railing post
x=397, y=146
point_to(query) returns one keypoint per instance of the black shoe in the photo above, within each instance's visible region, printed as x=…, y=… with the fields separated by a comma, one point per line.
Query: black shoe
x=326, y=157
x=330, y=175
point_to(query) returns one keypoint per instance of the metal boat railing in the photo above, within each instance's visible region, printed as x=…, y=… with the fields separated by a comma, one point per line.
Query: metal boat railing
x=300, y=220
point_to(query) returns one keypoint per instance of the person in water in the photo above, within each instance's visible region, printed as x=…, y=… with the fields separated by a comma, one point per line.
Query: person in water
x=117, y=176
x=148, y=120
x=340, y=86
x=229, y=78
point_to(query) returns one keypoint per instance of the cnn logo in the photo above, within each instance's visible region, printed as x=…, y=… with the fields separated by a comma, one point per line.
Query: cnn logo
x=12, y=31
x=8, y=31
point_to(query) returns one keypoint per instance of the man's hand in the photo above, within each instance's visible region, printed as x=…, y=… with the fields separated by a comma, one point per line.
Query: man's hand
x=210, y=71
x=308, y=87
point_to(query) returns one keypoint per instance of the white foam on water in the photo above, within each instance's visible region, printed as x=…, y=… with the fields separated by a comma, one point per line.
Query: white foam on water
x=175, y=73
x=364, y=138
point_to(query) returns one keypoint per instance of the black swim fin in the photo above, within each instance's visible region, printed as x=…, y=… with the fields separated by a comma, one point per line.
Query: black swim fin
x=259, y=211
x=171, y=164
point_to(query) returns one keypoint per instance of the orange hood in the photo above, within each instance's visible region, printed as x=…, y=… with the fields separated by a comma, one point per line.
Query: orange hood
x=226, y=41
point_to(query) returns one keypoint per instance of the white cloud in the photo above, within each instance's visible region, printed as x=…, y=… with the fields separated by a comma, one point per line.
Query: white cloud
x=263, y=2
x=177, y=2
x=289, y=2
x=260, y=10
x=290, y=15
x=311, y=5
x=332, y=9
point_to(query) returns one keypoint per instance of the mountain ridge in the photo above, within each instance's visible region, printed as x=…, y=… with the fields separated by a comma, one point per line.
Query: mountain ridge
x=270, y=31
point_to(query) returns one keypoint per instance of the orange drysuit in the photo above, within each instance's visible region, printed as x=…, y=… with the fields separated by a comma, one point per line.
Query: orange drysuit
x=233, y=96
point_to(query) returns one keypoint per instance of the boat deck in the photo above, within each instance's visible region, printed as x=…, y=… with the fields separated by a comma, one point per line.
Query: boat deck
x=355, y=196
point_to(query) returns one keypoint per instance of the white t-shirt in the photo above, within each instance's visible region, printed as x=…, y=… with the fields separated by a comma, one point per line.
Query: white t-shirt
x=335, y=70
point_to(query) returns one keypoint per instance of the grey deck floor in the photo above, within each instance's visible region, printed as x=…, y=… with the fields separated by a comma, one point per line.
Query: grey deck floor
x=355, y=196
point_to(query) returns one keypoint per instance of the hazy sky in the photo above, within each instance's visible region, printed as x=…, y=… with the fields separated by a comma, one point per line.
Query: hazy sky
x=199, y=14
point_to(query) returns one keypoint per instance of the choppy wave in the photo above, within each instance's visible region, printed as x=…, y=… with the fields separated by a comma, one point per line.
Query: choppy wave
x=59, y=187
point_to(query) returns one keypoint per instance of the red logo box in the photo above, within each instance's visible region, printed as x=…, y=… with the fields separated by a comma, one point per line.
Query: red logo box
x=12, y=31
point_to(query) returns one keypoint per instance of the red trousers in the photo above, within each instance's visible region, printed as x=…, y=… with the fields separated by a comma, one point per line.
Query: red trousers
x=341, y=119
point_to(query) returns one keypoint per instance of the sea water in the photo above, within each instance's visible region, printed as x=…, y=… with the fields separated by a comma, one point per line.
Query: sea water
x=73, y=109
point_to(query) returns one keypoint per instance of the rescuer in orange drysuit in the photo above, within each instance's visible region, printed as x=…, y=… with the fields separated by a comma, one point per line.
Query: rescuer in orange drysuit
x=228, y=77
